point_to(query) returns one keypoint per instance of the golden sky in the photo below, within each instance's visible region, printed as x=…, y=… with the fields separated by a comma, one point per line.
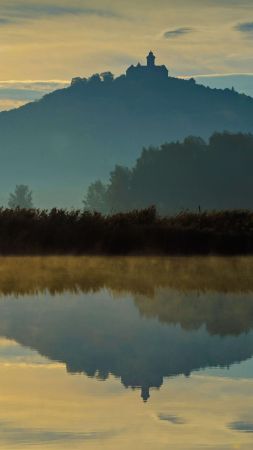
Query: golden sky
x=59, y=39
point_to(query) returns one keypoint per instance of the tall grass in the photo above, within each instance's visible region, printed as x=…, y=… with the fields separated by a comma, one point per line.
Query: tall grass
x=59, y=231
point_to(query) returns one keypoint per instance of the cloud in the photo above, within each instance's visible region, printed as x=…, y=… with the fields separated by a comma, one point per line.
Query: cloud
x=246, y=27
x=229, y=3
x=171, y=34
x=14, y=94
x=57, y=10
x=14, y=12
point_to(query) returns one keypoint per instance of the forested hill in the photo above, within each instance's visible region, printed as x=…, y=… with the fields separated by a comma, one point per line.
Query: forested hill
x=72, y=136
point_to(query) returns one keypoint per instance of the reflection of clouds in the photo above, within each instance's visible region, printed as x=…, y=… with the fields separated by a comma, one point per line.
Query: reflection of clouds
x=175, y=420
x=7, y=343
x=10, y=434
x=36, y=401
x=12, y=353
x=246, y=27
x=244, y=427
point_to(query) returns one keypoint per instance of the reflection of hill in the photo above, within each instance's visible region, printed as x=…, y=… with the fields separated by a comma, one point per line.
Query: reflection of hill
x=97, y=335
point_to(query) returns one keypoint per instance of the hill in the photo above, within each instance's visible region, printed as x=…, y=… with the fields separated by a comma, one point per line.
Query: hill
x=72, y=136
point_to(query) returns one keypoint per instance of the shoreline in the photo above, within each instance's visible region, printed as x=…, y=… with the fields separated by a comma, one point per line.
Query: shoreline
x=25, y=232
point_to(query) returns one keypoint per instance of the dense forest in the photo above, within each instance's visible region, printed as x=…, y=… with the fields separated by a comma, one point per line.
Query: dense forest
x=190, y=175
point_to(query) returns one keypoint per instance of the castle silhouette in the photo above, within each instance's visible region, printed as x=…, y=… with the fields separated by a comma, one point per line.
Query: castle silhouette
x=150, y=70
x=134, y=73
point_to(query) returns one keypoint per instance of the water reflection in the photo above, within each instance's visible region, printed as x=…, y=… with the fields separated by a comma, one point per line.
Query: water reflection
x=136, y=318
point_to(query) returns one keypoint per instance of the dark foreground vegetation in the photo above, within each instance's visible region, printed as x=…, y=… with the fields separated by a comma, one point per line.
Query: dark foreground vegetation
x=30, y=231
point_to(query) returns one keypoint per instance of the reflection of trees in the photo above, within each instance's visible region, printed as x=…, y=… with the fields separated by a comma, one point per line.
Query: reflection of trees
x=223, y=314
x=171, y=289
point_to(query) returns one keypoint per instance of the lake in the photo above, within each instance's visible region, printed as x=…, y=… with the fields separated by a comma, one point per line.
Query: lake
x=126, y=353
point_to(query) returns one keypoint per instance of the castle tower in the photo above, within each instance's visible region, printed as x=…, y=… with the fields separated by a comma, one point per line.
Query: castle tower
x=151, y=59
x=149, y=72
x=145, y=393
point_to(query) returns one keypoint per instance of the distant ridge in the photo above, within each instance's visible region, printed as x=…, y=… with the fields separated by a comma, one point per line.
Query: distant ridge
x=70, y=137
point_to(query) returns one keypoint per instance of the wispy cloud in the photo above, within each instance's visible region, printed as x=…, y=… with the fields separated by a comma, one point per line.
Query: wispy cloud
x=171, y=34
x=5, y=21
x=15, y=11
x=57, y=10
x=16, y=93
x=246, y=27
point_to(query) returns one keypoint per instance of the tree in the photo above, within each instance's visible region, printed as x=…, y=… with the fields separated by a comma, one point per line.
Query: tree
x=95, y=199
x=118, y=192
x=78, y=81
x=21, y=198
x=94, y=79
x=107, y=76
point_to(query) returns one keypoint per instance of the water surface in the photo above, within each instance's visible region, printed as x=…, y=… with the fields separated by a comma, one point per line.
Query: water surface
x=119, y=353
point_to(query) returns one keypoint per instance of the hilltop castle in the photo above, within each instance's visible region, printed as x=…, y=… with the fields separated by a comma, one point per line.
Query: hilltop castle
x=136, y=73
x=150, y=70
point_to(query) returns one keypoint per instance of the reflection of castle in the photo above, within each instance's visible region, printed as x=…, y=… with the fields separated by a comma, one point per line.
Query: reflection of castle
x=150, y=70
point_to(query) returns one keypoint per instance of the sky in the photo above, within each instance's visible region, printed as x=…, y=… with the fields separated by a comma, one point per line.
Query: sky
x=46, y=43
